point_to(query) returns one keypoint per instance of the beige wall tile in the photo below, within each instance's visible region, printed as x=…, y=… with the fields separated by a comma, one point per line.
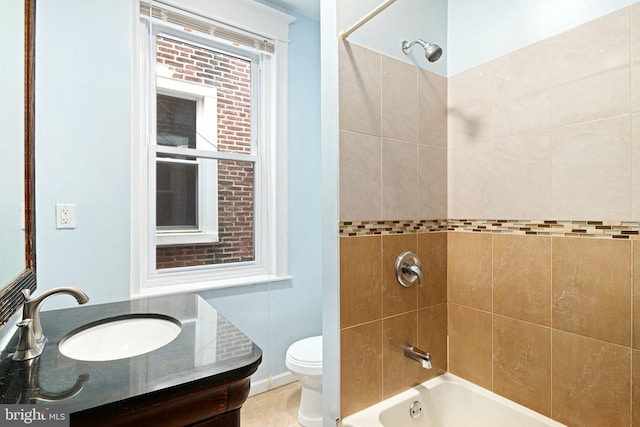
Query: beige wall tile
x=522, y=363
x=432, y=251
x=522, y=277
x=590, y=170
x=590, y=381
x=469, y=270
x=522, y=90
x=524, y=71
x=432, y=108
x=469, y=109
x=592, y=48
x=635, y=166
x=360, y=80
x=432, y=182
x=591, y=293
x=521, y=112
x=360, y=280
x=399, y=100
x=398, y=372
x=399, y=179
x=360, y=367
x=470, y=351
x=470, y=181
x=591, y=83
x=598, y=96
x=432, y=338
x=635, y=58
x=522, y=170
x=360, y=177
x=397, y=299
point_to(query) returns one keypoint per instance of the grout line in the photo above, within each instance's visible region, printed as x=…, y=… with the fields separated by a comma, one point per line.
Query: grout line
x=492, y=315
x=551, y=328
x=632, y=294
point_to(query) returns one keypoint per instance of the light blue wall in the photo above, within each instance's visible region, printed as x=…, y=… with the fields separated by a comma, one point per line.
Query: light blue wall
x=481, y=31
x=84, y=91
x=83, y=137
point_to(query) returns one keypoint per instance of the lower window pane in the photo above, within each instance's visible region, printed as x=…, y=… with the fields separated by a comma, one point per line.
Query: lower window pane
x=236, y=226
x=176, y=196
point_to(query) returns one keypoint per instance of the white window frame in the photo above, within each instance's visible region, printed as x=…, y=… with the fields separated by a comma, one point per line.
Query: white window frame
x=271, y=226
x=206, y=139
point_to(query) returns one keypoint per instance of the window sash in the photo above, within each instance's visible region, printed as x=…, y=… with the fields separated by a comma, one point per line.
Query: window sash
x=196, y=237
x=258, y=79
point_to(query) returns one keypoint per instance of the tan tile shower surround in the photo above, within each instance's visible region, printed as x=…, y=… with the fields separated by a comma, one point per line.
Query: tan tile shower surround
x=546, y=313
x=552, y=323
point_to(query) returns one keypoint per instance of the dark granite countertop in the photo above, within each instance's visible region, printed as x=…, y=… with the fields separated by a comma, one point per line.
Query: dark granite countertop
x=209, y=349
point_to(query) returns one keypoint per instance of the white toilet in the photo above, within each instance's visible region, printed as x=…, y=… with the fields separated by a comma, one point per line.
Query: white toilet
x=304, y=360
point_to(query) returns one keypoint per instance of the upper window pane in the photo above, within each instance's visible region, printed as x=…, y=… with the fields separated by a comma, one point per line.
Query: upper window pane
x=229, y=74
x=176, y=121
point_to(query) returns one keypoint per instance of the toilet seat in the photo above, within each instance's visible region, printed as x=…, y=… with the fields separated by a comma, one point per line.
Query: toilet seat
x=305, y=356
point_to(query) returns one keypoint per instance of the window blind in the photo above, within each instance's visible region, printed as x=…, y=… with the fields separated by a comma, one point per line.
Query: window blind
x=206, y=26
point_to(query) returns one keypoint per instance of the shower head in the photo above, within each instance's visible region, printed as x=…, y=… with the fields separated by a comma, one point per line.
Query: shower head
x=431, y=50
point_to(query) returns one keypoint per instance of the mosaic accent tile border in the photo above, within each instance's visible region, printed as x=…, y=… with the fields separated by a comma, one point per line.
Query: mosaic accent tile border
x=555, y=228
x=371, y=228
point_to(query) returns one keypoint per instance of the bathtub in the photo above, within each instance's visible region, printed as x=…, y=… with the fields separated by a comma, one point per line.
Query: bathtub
x=448, y=401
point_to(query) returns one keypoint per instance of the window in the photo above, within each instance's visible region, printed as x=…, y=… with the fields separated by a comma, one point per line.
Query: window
x=185, y=186
x=212, y=210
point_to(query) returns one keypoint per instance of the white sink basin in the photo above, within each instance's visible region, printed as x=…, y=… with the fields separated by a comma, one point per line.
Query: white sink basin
x=119, y=338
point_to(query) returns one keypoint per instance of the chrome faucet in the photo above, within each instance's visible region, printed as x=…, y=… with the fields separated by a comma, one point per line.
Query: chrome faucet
x=32, y=341
x=418, y=355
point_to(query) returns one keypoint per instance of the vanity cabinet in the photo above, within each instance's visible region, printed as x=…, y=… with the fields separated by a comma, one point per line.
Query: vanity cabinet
x=201, y=378
x=214, y=405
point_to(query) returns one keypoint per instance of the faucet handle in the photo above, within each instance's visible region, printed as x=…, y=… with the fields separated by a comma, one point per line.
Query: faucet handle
x=408, y=269
x=28, y=347
x=27, y=339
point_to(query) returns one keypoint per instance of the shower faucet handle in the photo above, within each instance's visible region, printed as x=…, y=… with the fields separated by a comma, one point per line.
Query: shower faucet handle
x=408, y=269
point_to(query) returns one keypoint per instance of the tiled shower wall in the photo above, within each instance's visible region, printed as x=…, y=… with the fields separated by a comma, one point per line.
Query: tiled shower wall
x=393, y=160
x=549, y=132
x=546, y=131
x=550, y=317
x=547, y=322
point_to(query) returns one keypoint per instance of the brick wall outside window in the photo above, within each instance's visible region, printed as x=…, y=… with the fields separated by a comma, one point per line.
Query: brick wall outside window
x=232, y=78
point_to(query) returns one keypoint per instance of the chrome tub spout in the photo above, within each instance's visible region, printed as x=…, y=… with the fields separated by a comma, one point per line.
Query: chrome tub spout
x=418, y=355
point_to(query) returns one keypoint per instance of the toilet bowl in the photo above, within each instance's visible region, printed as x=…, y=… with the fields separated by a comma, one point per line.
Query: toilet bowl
x=304, y=360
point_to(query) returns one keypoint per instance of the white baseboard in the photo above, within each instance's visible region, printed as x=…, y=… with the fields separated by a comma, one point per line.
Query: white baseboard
x=271, y=383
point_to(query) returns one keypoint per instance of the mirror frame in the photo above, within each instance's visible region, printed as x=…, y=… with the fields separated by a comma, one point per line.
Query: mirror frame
x=11, y=297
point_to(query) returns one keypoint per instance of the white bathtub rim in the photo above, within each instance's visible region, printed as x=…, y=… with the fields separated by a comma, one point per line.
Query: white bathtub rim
x=370, y=416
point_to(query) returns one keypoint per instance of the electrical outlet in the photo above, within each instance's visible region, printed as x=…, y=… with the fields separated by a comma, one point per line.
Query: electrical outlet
x=65, y=215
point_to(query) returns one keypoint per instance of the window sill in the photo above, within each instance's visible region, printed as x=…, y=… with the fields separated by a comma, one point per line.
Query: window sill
x=185, y=238
x=209, y=285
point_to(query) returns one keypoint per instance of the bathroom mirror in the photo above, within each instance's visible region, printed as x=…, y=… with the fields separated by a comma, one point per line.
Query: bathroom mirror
x=17, y=254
